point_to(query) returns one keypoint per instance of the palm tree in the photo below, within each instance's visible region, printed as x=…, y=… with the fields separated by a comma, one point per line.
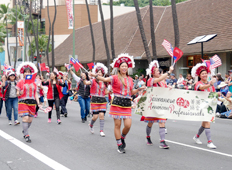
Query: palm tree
x=112, y=29
x=175, y=24
x=42, y=45
x=152, y=31
x=91, y=29
x=53, y=57
x=142, y=32
x=4, y=12
x=16, y=34
x=2, y=36
x=49, y=33
x=104, y=34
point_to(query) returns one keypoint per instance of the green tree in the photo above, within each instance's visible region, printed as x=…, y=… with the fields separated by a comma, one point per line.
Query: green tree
x=4, y=13
x=42, y=45
x=2, y=36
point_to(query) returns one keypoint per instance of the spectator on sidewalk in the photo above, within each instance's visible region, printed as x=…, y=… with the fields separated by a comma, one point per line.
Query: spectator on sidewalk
x=136, y=80
x=180, y=82
x=173, y=80
x=141, y=82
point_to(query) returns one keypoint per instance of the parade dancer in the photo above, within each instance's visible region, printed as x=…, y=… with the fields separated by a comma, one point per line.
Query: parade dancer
x=83, y=94
x=40, y=87
x=11, y=97
x=156, y=80
x=122, y=86
x=98, y=101
x=65, y=91
x=28, y=97
x=54, y=94
x=201, y=71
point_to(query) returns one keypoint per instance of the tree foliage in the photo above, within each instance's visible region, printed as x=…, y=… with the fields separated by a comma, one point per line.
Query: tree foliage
x=42, y=43
x=143, y=3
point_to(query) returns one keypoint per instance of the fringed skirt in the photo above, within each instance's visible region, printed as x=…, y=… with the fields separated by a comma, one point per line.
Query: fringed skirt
x=153, y=120
x=27, y=107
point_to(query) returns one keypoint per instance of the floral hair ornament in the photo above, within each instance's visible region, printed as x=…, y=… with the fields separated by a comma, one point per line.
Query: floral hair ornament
x=24, y=65
x=154, y=64
x=100, y=66
x=124, y=57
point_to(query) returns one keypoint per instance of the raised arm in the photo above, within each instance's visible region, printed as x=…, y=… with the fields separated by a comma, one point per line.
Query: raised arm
x=76, y=78
x=164, y=76
x=107, y=79
x=203, y=87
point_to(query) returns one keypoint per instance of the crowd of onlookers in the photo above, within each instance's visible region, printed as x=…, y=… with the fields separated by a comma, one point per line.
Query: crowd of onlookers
x=223, y=86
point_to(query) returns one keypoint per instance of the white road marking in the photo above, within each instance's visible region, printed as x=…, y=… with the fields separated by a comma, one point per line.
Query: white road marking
x=43, y=158
x=194, y=147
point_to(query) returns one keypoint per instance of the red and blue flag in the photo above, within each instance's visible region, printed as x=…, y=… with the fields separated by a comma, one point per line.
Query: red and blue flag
x=30, y=78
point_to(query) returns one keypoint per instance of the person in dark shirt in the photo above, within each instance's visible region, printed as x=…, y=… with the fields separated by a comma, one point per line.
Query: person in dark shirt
x=54, y=94
x=173, y=80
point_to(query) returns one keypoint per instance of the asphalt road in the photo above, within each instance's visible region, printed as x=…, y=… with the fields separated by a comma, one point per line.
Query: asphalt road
x=72, y=146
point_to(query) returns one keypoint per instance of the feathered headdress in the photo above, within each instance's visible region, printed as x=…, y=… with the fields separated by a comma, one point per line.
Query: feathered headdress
x=100, y=66
x=23, y=65
x=124, y=57
x=196, y=70
x=154, y=64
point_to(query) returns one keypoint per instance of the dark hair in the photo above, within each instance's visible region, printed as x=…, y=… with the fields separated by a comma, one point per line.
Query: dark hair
x=55, y=78
x=8, y=78
x=26, y=70
x=219, y=77
x=87, y=76
x=199, y=79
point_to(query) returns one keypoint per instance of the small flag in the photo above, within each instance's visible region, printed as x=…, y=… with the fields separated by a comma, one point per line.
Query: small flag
x=30, y=78
x=56, y=71
x=168, y=47
x=90, y=65
x=215, y=62
x=177, y=54
x=68, y=66
x=47, y=69
x=75, y=64
x=43, y=67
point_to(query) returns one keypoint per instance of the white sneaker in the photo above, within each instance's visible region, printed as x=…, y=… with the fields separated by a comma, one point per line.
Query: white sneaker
x=197, y=140
x=102, y=134
x=10, y=123
x=218, y=114
x=211, y=145
x=91, y=129
x=16, y=122
x=166, y=131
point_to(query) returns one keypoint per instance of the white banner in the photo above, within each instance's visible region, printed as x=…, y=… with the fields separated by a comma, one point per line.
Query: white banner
x=178, y=104
x=69, y=8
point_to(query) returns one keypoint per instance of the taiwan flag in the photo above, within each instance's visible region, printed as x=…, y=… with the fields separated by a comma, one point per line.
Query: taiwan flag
x=30, y=78
x=75, y=64
x=90, y=65
x=43, y=67
x=177, y=54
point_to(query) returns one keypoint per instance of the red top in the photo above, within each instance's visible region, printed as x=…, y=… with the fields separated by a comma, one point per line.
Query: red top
x=97, y=89
x=50, y=94
x=197, y=85
x=144, y=80
x=119, y=89
x=159, y=84
x=29, y=90
x=1, y=91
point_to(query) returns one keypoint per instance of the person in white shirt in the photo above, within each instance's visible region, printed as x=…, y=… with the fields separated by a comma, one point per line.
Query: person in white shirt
x=180, y=82
x=141, y=82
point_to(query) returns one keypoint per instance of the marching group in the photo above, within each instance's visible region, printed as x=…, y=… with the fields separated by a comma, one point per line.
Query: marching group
x=92, y=94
